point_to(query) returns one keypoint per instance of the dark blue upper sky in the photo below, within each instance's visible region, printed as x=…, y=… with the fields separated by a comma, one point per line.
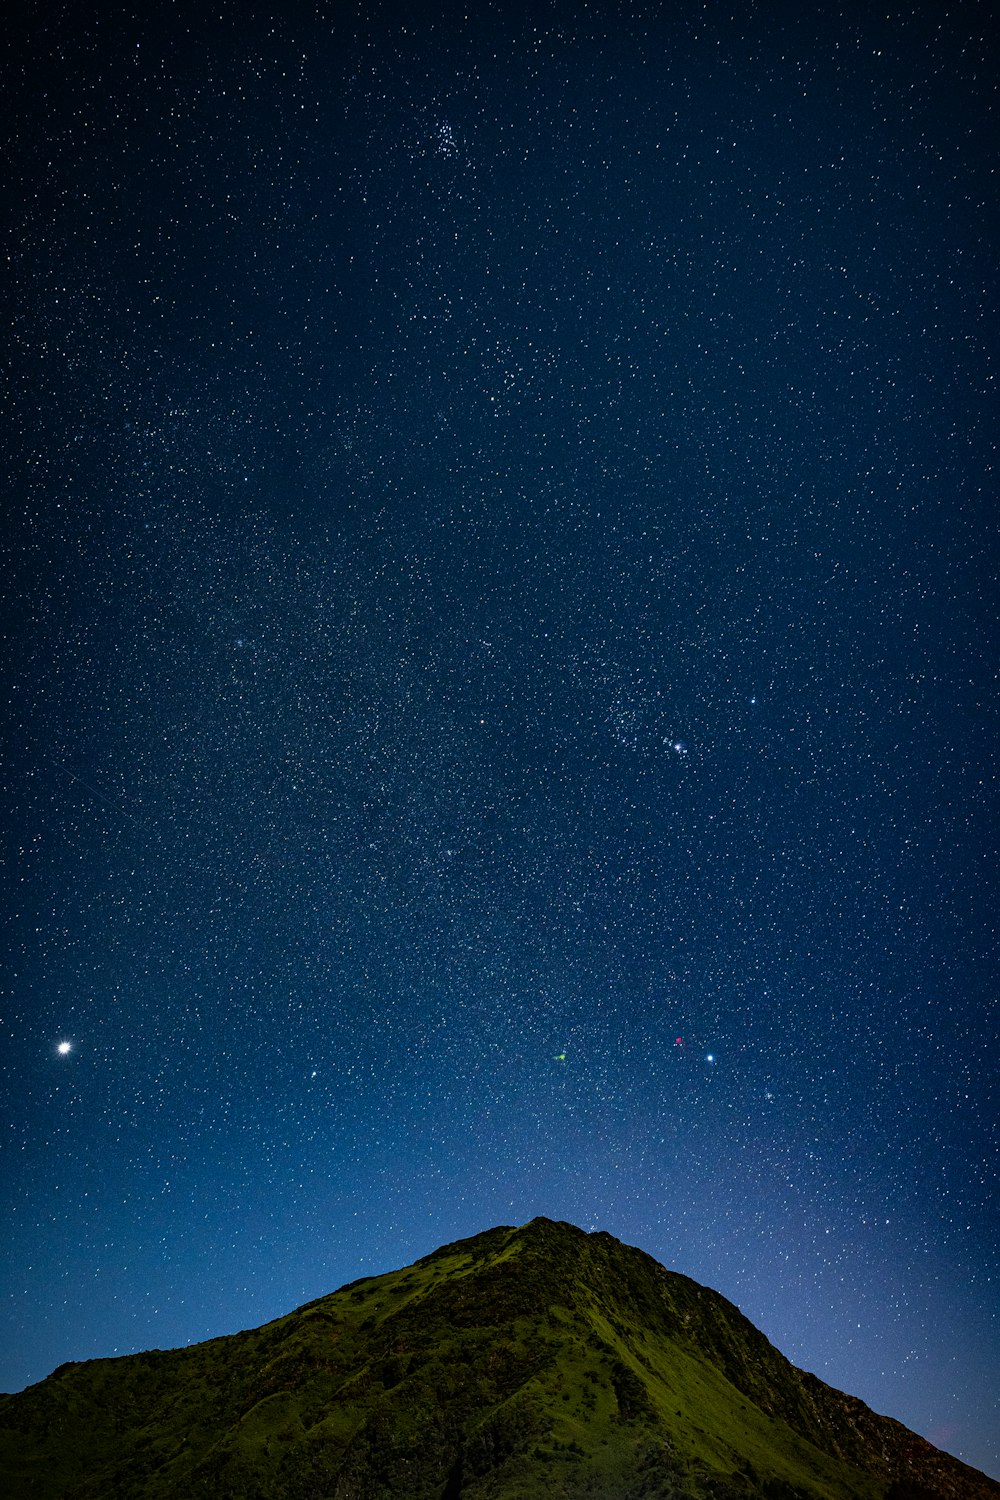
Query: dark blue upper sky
x=500, y=655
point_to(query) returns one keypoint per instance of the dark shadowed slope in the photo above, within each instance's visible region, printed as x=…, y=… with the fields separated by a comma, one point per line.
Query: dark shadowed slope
x=521, y=1362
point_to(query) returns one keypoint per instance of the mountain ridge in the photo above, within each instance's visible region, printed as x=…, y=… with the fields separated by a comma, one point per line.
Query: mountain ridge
x=515, y=1362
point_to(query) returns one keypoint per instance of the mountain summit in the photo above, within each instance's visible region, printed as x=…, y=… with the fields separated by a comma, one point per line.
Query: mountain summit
x=519, y=1363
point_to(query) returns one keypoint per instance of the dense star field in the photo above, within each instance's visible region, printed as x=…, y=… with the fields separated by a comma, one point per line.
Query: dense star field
x=499, y=654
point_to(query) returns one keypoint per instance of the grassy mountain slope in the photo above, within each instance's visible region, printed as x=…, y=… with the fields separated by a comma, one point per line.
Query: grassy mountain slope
x=519, y=1363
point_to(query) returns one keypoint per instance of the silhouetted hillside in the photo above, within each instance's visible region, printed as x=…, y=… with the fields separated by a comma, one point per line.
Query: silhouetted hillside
x=519, y=1363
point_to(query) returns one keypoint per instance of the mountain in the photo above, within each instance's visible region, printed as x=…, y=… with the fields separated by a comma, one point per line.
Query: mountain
x=539, y=1361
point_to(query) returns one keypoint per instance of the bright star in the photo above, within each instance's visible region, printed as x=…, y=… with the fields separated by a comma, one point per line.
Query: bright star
x=63, y=1048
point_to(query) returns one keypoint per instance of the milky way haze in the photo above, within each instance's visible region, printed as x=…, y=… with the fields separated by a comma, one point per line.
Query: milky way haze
x=500, y=660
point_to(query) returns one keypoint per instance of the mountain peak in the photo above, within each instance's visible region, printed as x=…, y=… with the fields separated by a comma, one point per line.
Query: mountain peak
x=521, y=1360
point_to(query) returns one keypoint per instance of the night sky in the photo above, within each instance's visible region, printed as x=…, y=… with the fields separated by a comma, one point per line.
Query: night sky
x=499, y=660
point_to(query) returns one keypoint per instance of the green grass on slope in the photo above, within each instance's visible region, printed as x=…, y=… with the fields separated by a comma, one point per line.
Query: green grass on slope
x=516, y=1365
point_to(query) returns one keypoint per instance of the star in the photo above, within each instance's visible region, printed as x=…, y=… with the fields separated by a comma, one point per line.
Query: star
x=64, y=1048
